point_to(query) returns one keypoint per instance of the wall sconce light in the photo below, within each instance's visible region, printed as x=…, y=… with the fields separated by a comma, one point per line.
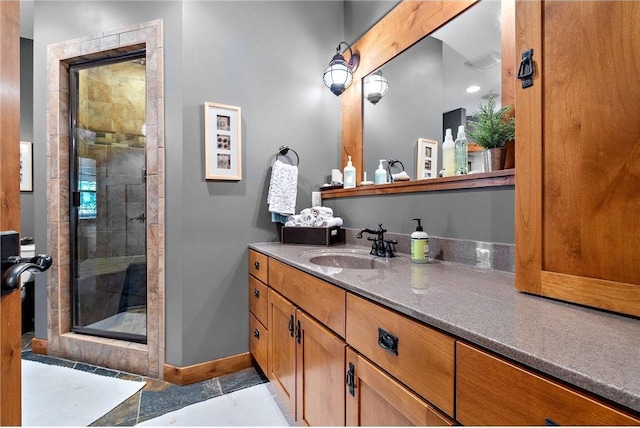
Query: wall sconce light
x=339, y=74
x=375, y=86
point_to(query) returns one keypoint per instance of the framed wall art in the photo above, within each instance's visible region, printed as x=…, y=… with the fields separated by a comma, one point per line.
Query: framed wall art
x=26, y=166
x=223, y=142
x=427, y=166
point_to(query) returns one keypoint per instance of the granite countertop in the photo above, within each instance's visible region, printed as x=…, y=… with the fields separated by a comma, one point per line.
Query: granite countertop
x=595, y=350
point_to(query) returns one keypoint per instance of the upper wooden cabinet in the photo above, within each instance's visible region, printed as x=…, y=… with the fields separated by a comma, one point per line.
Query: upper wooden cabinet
x=578, y=155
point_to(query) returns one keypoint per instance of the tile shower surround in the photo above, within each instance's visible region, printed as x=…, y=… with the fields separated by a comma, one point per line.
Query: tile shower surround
x=142, y=359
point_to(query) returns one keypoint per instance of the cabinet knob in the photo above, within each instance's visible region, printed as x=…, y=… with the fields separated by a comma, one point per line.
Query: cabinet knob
x=256, y=333
x=256, y=293
x=256, y=265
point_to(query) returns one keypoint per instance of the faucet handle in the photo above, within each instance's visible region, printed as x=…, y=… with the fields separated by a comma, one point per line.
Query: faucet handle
x=388, y=248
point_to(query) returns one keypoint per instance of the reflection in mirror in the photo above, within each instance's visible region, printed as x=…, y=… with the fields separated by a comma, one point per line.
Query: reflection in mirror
x=430, y=79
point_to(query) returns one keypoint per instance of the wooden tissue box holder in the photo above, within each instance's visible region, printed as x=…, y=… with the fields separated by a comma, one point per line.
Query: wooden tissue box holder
x=313, y=235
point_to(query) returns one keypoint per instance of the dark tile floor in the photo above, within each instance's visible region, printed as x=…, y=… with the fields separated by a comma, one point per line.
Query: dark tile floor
x=157, y=397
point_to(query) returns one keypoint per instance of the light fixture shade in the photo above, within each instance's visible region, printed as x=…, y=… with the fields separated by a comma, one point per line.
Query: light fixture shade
x=375, y=86
x=338, y=75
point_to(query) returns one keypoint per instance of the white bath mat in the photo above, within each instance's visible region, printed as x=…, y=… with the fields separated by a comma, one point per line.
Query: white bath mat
x=60, y=396
x=255, y=406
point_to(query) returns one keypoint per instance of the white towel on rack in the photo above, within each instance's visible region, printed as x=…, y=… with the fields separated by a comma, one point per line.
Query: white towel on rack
x=283, y=188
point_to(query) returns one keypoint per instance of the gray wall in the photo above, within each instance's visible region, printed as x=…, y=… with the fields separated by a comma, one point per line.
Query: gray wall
x=361, y=15
x=26, y=128
x=471, y=214
x=411, y=109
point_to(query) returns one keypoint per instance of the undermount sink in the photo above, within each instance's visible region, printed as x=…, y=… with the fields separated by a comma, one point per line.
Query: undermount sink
x=350, y=259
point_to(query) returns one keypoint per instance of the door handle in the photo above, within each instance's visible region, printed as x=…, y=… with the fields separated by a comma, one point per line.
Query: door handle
x=12, y=265
x=11, y=275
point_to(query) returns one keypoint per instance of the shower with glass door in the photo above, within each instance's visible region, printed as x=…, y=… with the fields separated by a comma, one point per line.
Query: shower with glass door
x=107, y=192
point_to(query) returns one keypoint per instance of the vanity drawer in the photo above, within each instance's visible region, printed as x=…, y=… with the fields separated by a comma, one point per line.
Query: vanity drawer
x=492, y=391
x=324, y=301
x=258, y=304
x=258, y=342
x=418, y=356
x=259, y=266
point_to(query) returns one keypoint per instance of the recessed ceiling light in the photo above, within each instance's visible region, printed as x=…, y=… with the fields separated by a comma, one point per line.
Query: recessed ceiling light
x=473, y=88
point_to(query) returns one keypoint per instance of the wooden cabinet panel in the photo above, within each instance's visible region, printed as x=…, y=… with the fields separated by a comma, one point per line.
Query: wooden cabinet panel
x=281, y=360
x=258, y=301
x=320, y=374
x=491, y=391
x=324, y=301
x=424, y=360
x=258, y=342
x=380, y=400
x=578, y=157
x=259, y=266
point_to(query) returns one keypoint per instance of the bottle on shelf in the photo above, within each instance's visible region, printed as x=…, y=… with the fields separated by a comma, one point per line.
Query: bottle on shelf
x=461, y=147
x=349, y=175
x=448, y=155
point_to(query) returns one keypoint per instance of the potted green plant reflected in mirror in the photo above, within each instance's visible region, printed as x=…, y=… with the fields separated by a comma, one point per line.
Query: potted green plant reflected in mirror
x=492, y=129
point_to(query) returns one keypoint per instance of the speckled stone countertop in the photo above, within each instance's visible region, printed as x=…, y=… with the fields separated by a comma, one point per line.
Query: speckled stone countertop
x=594, y=350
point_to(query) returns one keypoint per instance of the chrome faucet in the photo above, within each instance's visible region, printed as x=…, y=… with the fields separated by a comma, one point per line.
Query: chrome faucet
x=380, y=247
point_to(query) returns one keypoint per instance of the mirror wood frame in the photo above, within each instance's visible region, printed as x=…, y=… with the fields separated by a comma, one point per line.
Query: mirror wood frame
x=401, y=28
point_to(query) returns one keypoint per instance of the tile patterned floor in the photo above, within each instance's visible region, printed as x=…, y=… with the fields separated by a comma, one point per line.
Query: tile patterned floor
x=157, y=397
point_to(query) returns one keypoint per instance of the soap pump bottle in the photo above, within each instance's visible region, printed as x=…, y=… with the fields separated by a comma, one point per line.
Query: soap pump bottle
x=419, y=244
x=349, y=175
x=380, y=176
x=448, y=155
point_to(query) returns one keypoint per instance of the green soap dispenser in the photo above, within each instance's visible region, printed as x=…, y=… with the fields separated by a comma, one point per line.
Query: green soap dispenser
x=419, y=244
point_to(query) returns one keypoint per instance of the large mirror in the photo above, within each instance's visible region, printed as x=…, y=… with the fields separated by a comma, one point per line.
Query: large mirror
x=431, y=87
x=403, y=27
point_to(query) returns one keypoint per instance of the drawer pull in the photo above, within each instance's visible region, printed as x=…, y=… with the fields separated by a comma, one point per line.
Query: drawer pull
x=256, y=333
x=256, y=265
x=551, y=423
x=298, y=331
x=256, y=293
x=387, y=341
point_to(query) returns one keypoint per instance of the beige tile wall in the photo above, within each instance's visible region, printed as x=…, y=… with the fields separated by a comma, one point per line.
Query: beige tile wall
x=121, y=355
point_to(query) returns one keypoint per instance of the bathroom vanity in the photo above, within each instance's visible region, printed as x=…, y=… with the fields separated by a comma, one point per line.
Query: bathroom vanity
x=395, y=343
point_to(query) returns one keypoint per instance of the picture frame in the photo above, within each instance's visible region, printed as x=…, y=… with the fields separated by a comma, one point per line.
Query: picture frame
x=26, y=166
x=427, y=165
x=223, y=142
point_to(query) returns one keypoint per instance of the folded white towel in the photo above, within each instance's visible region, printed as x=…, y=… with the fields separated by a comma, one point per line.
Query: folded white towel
x=283, y=188
x=314, y=217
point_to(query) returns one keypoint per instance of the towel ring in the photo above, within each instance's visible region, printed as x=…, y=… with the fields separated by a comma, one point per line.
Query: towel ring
x=283, y=150
x=391, y=163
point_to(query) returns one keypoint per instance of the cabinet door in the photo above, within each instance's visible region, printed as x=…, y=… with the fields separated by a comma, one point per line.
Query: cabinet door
x=577, y=155
x=320, y=374
x=491, y=391
x=377, y=399
x=281, y=360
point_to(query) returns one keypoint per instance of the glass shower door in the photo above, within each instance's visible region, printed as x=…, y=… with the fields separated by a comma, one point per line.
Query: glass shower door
x=108, y=198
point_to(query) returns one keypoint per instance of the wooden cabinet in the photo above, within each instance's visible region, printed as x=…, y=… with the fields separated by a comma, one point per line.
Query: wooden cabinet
x=258, y=308
x=376, y=399
x=418, y=356
x=578, y=159
x=492, y=391
x=314, y=340
x=306, y=364
x=305, y=358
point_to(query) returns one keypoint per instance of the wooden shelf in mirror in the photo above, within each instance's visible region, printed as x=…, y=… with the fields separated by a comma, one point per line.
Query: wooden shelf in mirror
x=505, y=177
